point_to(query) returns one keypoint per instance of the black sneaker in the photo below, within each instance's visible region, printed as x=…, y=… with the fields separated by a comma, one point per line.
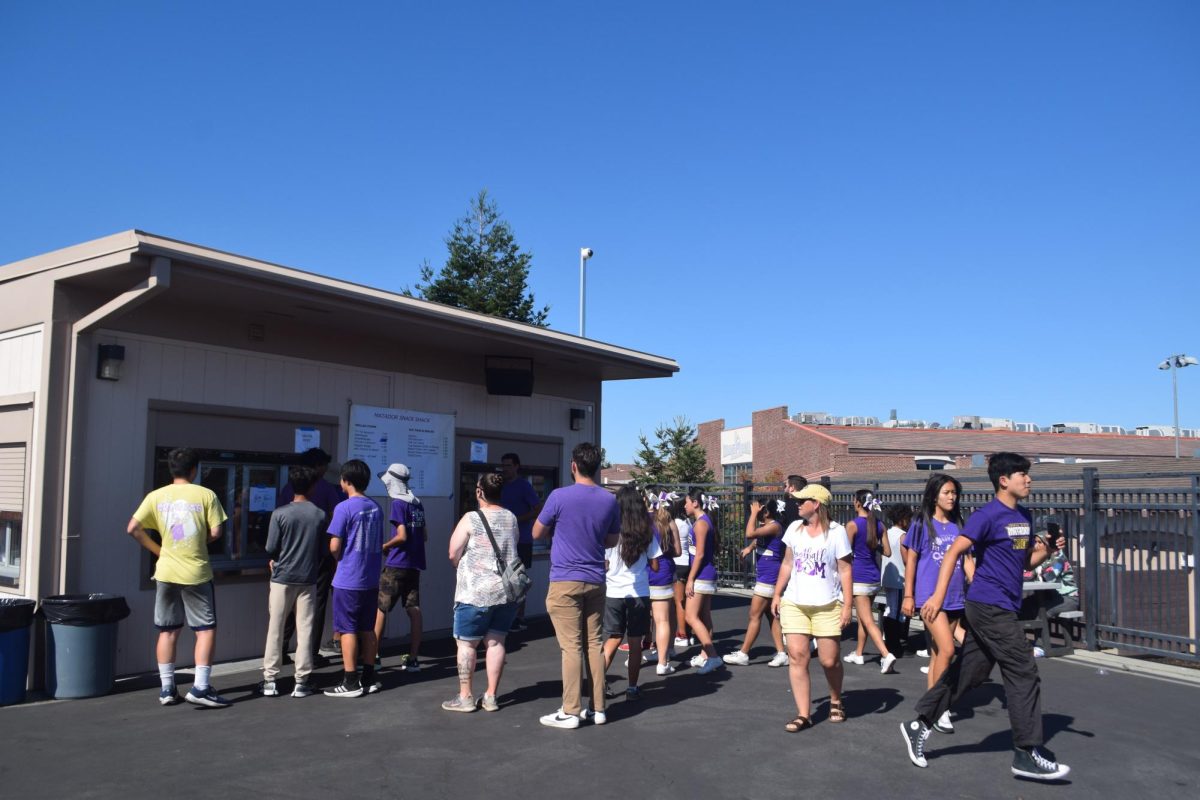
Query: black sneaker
x=342, y=690
x=1037, y=764
x=412, y=664
x=915, y=733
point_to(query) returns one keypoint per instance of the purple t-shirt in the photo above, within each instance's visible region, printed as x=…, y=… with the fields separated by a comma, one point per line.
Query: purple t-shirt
x=520, y=498
x=665, y=574
x=1002, y=538
x=864, y=568
x=581, y=516
x=769, y=553
x=358, y=522
x=708, y=567
x=411, y=554
x=930, y=554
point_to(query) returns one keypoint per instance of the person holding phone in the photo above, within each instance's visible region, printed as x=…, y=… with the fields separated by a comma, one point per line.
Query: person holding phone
x=1001, y=534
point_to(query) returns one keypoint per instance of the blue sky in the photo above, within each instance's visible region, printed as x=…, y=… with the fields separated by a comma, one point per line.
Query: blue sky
x=940, y=207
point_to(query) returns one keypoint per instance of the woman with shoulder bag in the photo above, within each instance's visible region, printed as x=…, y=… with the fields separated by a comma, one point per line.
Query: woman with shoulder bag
x=482, y=546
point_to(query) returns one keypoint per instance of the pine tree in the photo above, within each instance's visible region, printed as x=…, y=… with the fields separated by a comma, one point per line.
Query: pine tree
x=485, y=270
x=675, y=457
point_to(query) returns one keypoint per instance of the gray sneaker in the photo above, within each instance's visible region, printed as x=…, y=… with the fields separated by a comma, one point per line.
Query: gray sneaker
x=488, y=703
x=460, y=703
x=268, y=689
x=302, y=690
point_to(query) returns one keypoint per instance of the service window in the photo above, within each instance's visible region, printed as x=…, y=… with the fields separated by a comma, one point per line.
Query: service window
x=543, y=479
x=247, y=484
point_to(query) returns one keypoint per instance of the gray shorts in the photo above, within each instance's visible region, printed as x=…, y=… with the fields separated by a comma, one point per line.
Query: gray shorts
x=174, y=602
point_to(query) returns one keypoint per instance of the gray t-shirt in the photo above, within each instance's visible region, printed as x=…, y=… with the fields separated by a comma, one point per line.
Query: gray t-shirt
x=294, y=541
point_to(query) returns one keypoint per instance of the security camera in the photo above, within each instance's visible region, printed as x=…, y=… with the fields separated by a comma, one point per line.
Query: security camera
x=585, y=252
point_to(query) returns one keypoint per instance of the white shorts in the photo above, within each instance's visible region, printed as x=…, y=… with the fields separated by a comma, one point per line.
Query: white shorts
x=868, y=589
x=705, y=587
x=662, y=592
x=764, y=590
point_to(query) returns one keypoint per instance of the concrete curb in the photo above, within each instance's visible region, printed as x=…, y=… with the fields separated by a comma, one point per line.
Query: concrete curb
x=1133, y=666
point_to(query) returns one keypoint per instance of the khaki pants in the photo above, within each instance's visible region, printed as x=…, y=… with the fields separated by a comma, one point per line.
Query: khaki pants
x=576, y=610
x=283, y=597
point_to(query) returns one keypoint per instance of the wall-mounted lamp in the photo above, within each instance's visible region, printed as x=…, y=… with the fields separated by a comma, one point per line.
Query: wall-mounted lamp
x=577, y=417
x=111, y=358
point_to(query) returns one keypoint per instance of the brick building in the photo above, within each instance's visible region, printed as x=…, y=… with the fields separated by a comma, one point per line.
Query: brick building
x=774, y=445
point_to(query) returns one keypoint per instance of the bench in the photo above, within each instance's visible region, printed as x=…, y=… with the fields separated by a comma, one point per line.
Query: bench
x=1039, y=622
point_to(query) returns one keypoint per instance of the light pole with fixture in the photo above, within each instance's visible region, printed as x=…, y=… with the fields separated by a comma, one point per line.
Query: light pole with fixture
x=584, y=254
x=1175, y=363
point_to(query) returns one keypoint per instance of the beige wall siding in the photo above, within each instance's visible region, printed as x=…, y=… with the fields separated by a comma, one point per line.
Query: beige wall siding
x=20, y=361
x=114, y=467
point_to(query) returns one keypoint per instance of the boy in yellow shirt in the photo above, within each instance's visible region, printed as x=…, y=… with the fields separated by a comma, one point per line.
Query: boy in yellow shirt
x=187, y=517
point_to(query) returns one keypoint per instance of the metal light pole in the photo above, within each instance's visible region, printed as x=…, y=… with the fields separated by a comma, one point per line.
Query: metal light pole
x=1175, y=363
x=584, y=254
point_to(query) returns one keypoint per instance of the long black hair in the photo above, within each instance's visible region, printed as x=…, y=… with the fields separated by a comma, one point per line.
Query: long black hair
x=872, y=526
x=636, y=531
x=933, y=487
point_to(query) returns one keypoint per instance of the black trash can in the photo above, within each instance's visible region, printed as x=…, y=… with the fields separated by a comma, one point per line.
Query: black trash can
x=16, y=615
x=81, y=643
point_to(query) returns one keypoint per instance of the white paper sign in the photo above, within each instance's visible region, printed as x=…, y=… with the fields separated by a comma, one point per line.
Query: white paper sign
x=307, y=438
x=478, y=452
x=421, y=440
x=262, y=498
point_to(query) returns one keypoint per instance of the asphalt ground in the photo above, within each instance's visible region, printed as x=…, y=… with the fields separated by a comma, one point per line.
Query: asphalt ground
x=691, y=736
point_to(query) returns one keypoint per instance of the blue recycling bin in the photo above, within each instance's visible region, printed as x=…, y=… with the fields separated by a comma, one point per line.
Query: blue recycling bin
x=16, y=617
x=81, y=643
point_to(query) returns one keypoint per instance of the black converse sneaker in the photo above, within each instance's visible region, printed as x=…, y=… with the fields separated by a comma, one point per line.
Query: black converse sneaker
x=1037, y=764
x=915, y=733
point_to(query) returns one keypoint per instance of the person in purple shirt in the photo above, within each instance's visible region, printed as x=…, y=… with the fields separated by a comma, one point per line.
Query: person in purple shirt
x=867, y=535
x=1001, y=534
x=404, y=561
x=324, y=495
x=585, y=521
x=519, y=497
x=765, y=534
x=702, y=579
x=929, y=538
x=356, y=543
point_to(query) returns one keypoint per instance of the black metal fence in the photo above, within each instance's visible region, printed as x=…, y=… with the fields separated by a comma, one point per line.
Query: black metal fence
x=1131, y=538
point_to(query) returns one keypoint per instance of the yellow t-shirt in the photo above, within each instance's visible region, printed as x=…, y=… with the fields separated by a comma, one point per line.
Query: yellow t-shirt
x=182, y=513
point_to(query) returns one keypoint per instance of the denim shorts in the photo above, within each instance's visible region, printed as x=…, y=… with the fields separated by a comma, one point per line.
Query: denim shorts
x=174, y=603
x=472, y=623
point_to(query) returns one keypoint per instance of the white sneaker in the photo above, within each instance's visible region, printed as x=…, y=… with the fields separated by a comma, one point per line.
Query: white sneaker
x=711, y=665
x=697, y=660
x=681, y=642
x=737, y=658
x=923, y=653
x=599, y=717
x=885, y=664
x=943, y=724
x=780, y=660
x=645, y=659
x=853, y=658
x=664, y=669
x=560, y=720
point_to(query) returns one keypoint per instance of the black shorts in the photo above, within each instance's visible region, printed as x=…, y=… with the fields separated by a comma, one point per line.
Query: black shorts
x=525, y=553
x=681, y=572
x=627, y=616
x=399, y=584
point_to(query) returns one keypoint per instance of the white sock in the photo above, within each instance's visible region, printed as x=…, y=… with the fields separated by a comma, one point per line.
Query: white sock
x=166, y=674
x=202, y=677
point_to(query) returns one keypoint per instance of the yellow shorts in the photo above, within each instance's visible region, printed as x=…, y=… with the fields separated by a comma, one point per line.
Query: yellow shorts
x=811, y=620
